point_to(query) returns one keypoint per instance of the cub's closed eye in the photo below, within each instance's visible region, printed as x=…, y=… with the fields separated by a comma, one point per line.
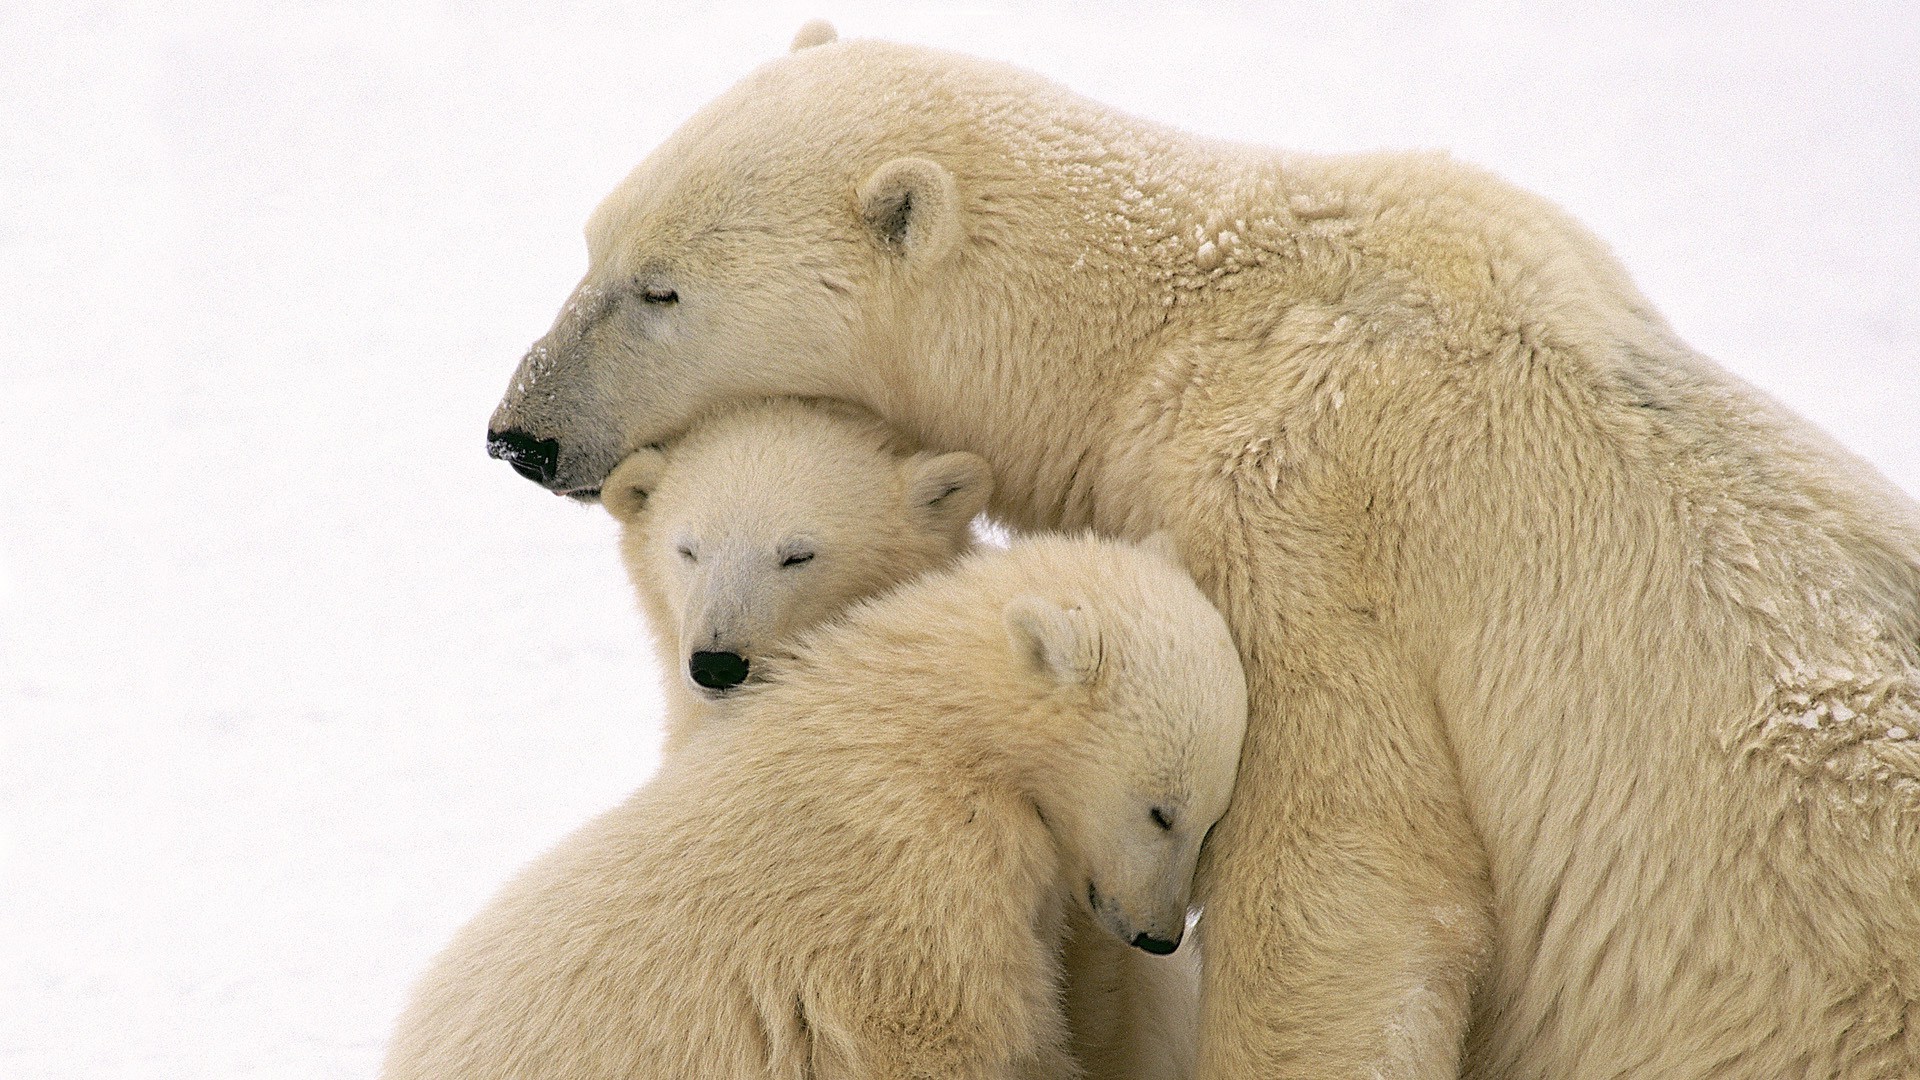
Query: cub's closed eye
x=687, y=553
x=659, y=294
x=1162, y=818
x=797, y=558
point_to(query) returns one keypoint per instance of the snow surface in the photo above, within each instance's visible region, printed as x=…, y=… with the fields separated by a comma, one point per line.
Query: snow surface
x=292, y=676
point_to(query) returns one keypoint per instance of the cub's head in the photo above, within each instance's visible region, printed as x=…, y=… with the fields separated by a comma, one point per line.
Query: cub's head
x=768, y=519
x=1146, y=692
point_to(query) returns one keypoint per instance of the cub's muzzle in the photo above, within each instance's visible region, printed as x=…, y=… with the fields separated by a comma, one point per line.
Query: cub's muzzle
x=717, y=671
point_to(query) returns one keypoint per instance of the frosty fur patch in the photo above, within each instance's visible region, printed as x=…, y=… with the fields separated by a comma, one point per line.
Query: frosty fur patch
x=1858, y=731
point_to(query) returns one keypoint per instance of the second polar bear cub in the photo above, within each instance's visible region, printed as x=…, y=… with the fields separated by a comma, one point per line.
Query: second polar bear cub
x=769, y=518
x=867, y=872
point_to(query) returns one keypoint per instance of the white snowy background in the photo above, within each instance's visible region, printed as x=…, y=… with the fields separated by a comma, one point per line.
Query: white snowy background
x=292, y=676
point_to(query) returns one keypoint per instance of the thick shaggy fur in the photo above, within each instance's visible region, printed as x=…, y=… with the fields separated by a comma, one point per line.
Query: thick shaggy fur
x=1585, y=679
x=709, y=524
x=865, y=871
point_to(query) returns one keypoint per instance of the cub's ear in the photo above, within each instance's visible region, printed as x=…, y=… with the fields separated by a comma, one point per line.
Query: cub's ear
x=912, y=207
x=949, y=488
x=1062, y=643
x=624, y=492
x=815, y=32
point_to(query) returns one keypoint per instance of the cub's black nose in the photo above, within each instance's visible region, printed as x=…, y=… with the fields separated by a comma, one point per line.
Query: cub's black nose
x=535, y=459
x=1154, y=945
x=717, y=670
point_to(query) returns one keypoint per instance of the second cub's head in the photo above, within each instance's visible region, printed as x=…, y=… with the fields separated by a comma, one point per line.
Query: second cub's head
x=1143, y=708
x=766, y=520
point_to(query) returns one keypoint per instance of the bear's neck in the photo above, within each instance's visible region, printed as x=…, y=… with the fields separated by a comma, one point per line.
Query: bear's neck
x=1090, y=249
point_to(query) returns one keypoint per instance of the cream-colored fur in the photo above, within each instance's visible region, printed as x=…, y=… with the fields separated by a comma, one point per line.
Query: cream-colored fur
x=864, y=871
x=1130, y=1015
x=770, y=518
x=1585, y=678
x=748, y=489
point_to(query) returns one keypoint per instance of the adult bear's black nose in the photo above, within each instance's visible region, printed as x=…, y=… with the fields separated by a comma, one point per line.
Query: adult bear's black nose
x=717, y=670
x=535, y=459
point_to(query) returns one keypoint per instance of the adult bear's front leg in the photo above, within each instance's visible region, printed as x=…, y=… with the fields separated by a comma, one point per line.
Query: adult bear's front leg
x=1347, y=907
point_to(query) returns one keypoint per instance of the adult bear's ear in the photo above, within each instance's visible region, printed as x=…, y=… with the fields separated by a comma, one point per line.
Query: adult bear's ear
x=950, y=489
x=1061, y=643
x=624, y=493
x=814, y=32
x=912, y=207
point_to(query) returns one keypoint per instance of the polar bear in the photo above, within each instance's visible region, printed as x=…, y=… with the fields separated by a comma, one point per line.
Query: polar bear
x=766, y=519
x=864, y=872
x=1585, y=679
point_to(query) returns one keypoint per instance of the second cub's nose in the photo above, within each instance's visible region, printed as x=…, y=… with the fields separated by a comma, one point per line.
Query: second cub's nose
x=1154, y=945
x=535, y=459
x=717, y=670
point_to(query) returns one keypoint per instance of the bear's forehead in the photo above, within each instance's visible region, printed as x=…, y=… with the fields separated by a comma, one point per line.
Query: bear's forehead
x=774, y=511
x=1182, y=697
x=793, y=480
x=794, y=477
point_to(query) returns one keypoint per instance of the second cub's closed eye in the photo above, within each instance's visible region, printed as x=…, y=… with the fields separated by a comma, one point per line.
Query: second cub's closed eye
x=1162, y=817
x=659, y=294
x=797, y=558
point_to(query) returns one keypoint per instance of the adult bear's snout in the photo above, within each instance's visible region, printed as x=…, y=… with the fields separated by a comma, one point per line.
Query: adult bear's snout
x=536, y=459
x=717, y=670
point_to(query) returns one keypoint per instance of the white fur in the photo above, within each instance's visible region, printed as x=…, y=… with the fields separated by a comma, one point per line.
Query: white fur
x=865, y=872
x=751, y=482
x=712, y=524
x=1584, y=678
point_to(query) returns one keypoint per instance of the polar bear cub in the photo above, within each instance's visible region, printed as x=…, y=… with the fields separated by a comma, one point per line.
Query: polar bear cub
x=765, y=520
x=868, y=873
x=768, y=518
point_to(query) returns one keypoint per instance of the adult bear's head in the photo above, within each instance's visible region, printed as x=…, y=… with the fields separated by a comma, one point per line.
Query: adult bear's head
x=769, y=247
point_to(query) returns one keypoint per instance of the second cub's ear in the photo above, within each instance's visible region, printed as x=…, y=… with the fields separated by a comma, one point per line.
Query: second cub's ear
x=949, y=488
x=912, y=207
x=1061, y=642
x=625, y=491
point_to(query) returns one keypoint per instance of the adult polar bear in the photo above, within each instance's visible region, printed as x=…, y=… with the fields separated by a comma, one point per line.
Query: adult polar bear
x=1584, y=679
